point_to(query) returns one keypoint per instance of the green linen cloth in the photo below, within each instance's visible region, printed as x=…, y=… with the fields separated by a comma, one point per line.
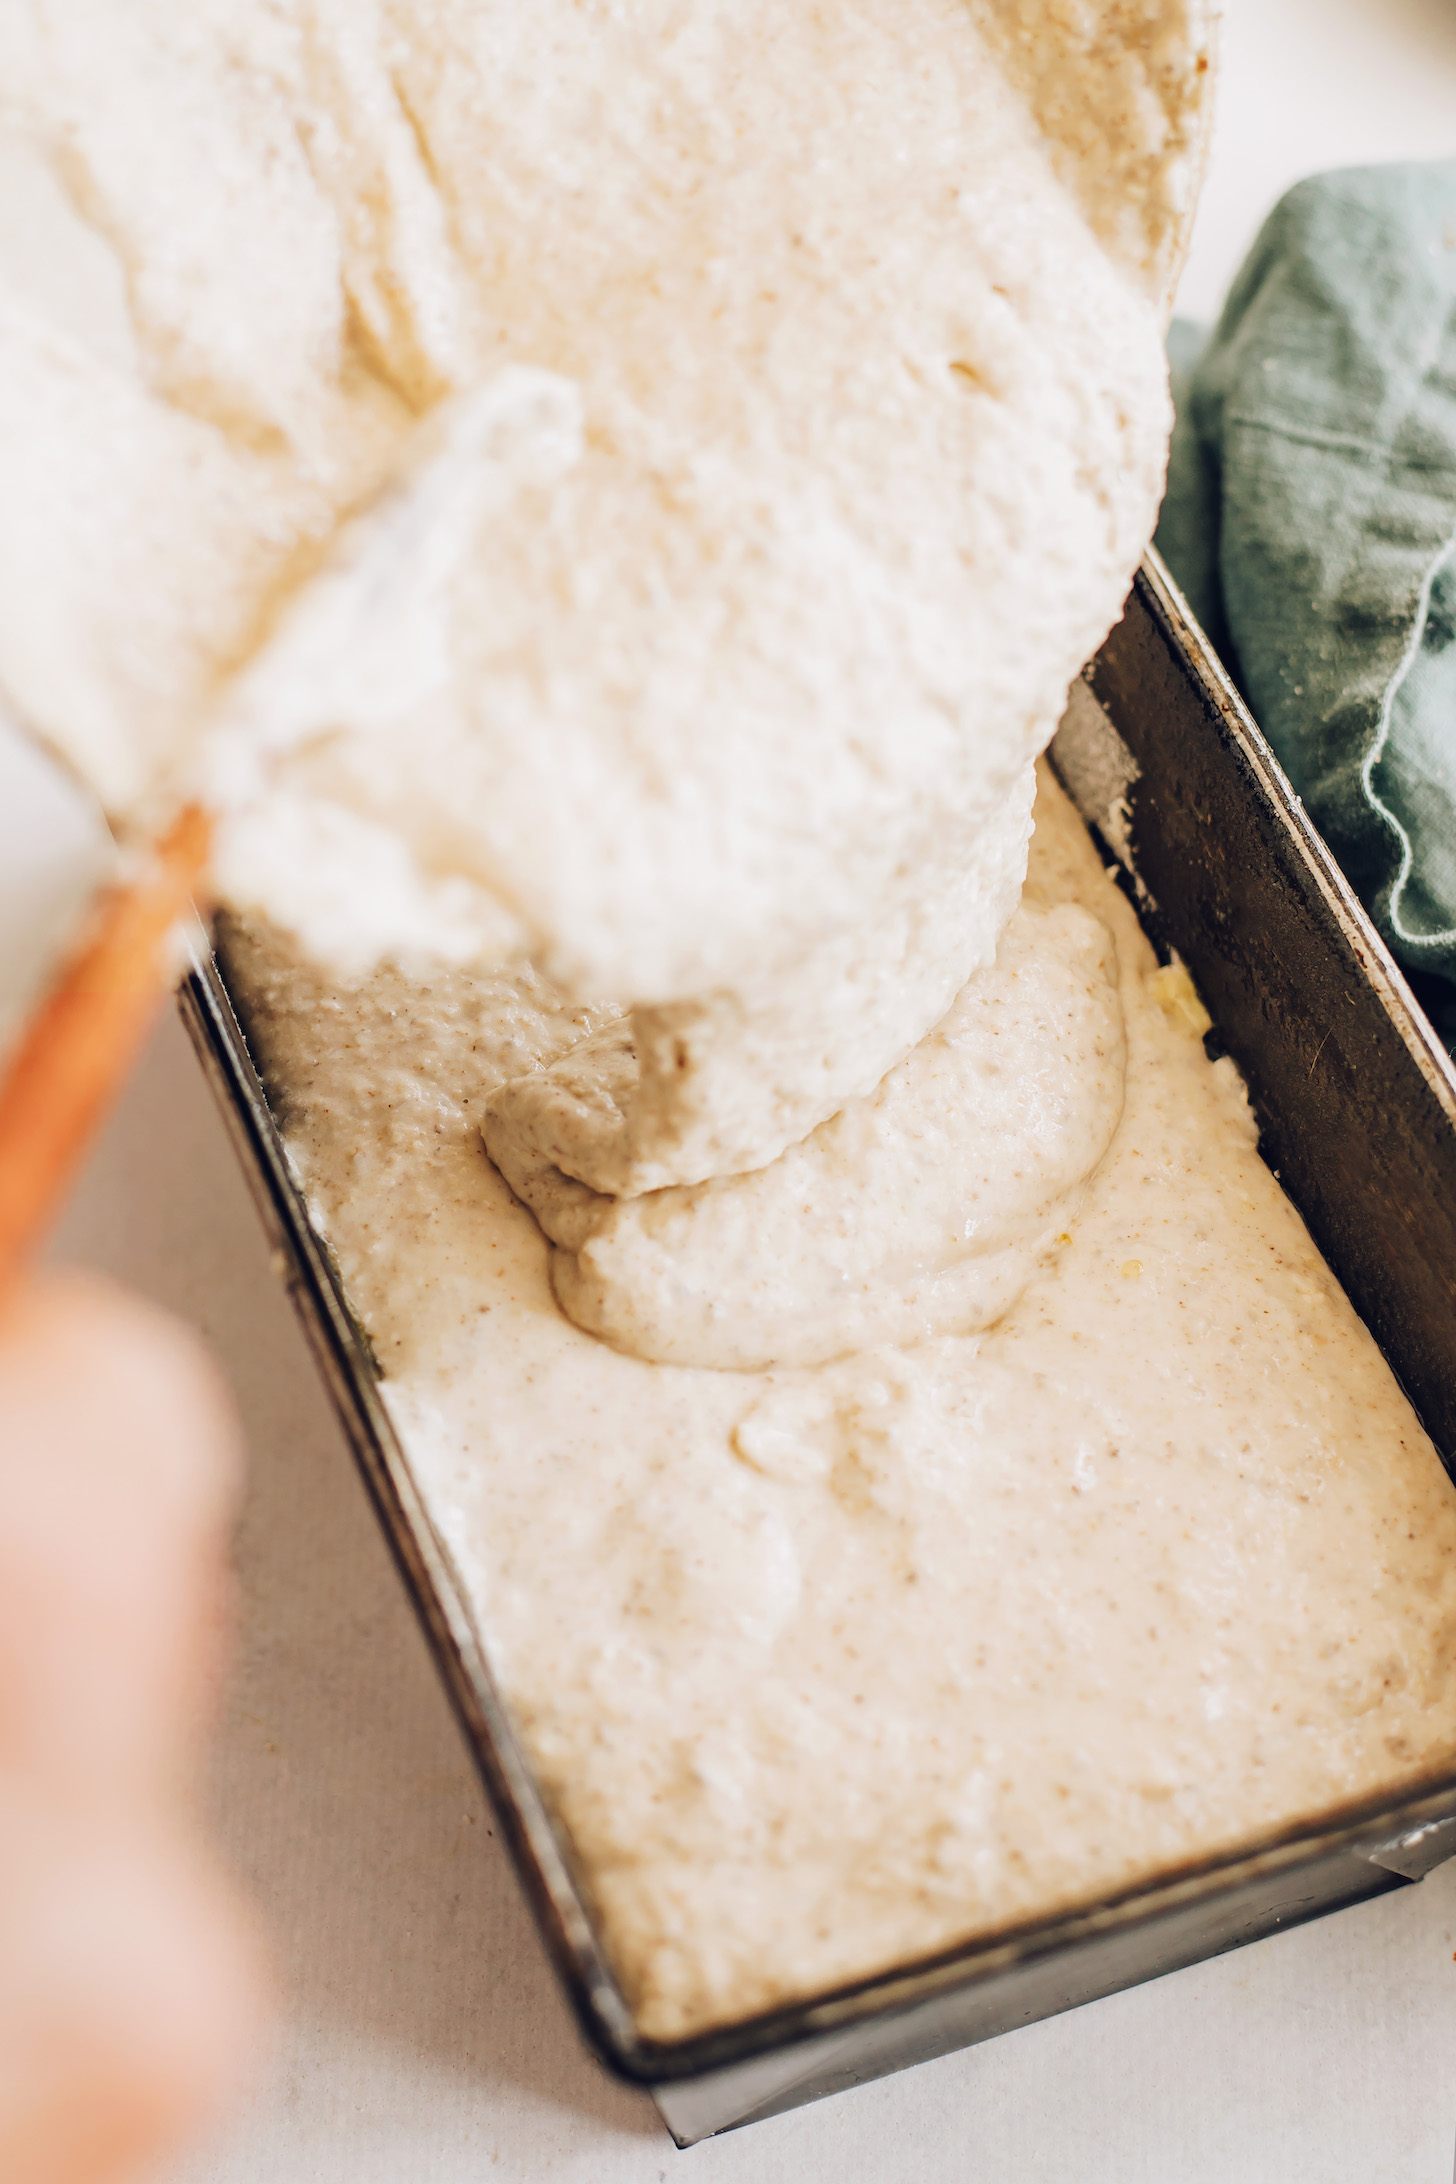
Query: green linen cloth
x=1311, y=519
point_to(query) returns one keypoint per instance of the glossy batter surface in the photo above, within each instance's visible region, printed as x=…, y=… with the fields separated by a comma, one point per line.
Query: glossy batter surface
x=827, y=1668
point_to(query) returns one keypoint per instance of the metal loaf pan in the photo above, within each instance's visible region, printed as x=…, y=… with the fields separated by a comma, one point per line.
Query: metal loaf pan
x=1357, y=1102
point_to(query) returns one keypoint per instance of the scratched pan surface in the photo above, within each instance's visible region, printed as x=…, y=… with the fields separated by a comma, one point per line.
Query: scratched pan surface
x=1357, y=1105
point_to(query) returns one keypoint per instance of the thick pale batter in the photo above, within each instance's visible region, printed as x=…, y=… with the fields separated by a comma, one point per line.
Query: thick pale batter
x=627, y=481
x=919, y=1209
x=826, y=1668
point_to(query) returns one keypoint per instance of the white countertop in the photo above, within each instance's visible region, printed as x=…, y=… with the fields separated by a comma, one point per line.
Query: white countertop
x=424, y=2040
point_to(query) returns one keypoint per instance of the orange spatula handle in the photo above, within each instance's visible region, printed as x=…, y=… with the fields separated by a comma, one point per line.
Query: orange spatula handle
x=75, y=1053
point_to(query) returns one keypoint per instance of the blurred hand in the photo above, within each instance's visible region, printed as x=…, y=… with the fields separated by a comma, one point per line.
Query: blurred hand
x=129, y=1987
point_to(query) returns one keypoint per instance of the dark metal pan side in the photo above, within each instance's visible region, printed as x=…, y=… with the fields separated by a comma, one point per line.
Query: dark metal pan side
x=1355, y=1095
